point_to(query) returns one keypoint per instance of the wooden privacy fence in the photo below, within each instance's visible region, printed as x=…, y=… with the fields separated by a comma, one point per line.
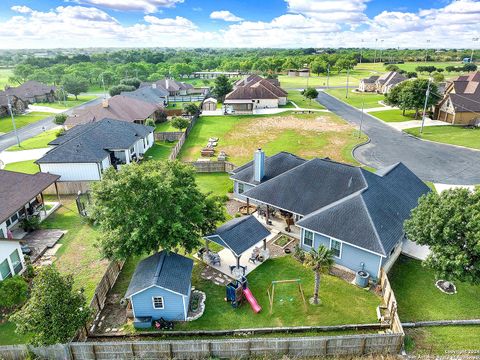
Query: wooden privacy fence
x=390, y=303
x=168, y=135
x=98, y=301
x=68, y=187
x=176, y=150
x=217, y=348
x=212, y=166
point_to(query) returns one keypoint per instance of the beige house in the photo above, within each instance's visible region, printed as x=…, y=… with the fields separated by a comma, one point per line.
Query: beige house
x=381, y=84
x=460, y=104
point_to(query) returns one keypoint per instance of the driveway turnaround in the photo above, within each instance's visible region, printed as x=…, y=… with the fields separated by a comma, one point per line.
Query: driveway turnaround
x=438, y=163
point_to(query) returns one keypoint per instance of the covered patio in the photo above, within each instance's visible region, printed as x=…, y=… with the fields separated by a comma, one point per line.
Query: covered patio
x=241, y=236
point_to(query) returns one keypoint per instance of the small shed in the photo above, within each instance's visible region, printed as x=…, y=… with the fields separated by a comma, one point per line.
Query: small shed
x=209, y=104
x=160, y=288
x=292, y=72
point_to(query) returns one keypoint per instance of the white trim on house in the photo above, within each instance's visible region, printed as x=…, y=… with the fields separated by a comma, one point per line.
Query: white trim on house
x=341, y=248
x=303, y=238
x=157, y=286
x=160, y=299
x=243, y=182
x=185, y=310
x=275, y=206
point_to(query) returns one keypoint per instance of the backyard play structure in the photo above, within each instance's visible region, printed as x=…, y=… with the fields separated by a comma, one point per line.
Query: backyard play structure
x=271, y=290
x=238, y=290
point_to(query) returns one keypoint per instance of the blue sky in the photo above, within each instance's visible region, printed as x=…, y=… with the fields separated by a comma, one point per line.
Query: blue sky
x=239, y=23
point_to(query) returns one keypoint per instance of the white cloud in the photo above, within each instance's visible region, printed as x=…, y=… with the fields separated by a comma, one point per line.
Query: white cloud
x=346, y=11
x=147, y=6
x=21, y=9
x=224, y=15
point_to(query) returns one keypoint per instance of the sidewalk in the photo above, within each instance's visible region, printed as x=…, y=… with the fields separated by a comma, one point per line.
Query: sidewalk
x=7, y=157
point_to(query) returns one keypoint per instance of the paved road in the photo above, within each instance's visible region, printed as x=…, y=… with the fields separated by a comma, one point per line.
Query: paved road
x=434, y=162
x=31, y=130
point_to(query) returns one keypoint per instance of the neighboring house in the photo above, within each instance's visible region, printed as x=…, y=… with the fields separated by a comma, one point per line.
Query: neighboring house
x=254, y=92
x=381, y=84
x=460, y=104
x=176, y=88
x=150, y=94
x=209, y=104
x=214, y=74
x=160, y=288
x=357, y=214
x=11, y=259
x=33, y=91
x=18, y=105
x=21, y=195
x=118, y=107
x=86, y=151
x=292, y=72
x=304, y=72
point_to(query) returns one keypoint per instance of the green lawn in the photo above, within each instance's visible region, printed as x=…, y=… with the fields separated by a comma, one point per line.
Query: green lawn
x=27, y=167
x=356, y=99
x=8, y=336
x=5, y=73
x=181, y=104
x=301, y=101
x=160, y=151
x=21, y=120
x=444, y=340
x=455, y=135
x=37, y=142
x=395, y=115
x=419, y=299
x=165, y=126
x=71, y=102
x=307, y=135
x=217, y=183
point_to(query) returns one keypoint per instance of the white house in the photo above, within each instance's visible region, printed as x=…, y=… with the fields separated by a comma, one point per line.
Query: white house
x=86, y=151
x=11, y=258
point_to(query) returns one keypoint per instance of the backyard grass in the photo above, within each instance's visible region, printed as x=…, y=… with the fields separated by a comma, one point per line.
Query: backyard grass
x=356, y=98
x=301, y=101
x=395, y=115
x=71, y=102
x=217, y=183
x=165, y=126
x=454, y=135
x=160, y=150
x=419, y=299
x=8, y=336
x=27, y=167
x=306, y=135
x=456, y=341
x=37, y=142
x=181, y=104
x=78, y=254
x=21, y=120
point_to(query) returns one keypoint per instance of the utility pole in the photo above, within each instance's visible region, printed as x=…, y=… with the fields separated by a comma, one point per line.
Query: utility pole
x=471, y=56
x=426, y=51
x=427, y=94
x=361, y=52
x=348, y=76
x=381, y=49
x=13, y=120
x=104, y=91
x=375, y=56
x=328, y=76
x=361, y=116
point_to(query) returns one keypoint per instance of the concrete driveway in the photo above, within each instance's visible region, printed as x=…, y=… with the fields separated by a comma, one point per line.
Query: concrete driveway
x=438, y=163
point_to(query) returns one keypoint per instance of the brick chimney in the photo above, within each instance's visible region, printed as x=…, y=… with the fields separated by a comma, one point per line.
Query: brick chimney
x=105, y=103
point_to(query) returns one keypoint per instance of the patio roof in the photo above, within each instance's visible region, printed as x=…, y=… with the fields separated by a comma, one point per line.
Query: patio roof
x=239, y=234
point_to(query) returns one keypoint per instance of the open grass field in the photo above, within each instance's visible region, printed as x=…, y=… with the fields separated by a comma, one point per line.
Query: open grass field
x=395, y=115
x=456, y=341
x=21, y=120
x=454, y=135
x=27, y=167
x=5, y=73
x=307, y=135
x=301, y=101
x=69, y=103
x=37, y=142
x=370, y=100
x=419, y=299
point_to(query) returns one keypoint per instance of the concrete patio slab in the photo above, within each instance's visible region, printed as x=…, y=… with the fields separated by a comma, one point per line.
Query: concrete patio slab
x=42, y=240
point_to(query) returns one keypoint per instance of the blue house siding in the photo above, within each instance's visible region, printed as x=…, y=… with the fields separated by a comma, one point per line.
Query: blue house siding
x=173, y=304
x=237, y=193
x=351, y=257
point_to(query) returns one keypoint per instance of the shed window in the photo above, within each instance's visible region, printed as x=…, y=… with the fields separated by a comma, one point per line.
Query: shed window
x=308, y=238
x=5, y=269
x=16, y=262
x=240, y=188
x=158, y=302
x=336, y=248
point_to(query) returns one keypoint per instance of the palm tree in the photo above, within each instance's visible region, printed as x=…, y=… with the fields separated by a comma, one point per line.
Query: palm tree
x=319, y=261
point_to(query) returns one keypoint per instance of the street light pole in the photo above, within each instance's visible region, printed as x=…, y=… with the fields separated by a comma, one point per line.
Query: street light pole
x=361, y=116
x=361, y=52
x=426, y=51
x=348, y=76
x=427, y=94
x=375, y=56
x=13, y=120
x=328, y=76
x=381, y=50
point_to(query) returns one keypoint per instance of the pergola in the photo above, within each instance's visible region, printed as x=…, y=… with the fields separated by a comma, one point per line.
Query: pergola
x=239, y=235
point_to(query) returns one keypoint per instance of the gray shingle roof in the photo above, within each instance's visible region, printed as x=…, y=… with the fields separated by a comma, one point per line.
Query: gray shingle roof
x=240, y=234
x=274, y=166
x=170, y=271
x=90, y=142
x=148, y=94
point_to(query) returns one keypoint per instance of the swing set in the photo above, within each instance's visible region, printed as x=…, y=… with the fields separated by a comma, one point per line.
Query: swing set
x=271, y=290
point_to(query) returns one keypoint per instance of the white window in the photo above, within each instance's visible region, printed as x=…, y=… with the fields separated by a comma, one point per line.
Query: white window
x=308, y=238
x=240, y=188
x=336, y=248
x=157, y=302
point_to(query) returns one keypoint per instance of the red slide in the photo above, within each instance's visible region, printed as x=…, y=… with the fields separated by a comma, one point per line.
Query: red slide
x=252, y=301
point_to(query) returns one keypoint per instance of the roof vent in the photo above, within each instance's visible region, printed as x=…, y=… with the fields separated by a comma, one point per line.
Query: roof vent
x=154, y=85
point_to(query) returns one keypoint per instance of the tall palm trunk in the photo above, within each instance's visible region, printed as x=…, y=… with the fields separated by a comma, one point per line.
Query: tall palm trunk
x=317, y=286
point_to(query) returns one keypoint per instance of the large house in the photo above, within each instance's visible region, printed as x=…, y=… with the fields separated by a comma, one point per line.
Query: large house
x=460, y=104
x=381, y=84
x=120, y=107
x=20, y=196
x=86, y=151
x=357, y=214
x=151, y=94
x=254, y=92
x=175, y=88
x=18, y=105
x=33, y=91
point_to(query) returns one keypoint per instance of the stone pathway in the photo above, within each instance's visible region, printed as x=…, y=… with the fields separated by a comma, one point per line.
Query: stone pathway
x=218, y=278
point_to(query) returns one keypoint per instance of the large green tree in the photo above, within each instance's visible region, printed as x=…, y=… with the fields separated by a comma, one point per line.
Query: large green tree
x=411, y=95
x=152, y=206
x=55, y=310
x=319, y=261
x=449, y=223
x=310, y=94
x=74, y=85
x=222, y=87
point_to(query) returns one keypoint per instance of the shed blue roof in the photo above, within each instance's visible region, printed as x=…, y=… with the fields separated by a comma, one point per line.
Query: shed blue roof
x=239, y=234
x=170, y=271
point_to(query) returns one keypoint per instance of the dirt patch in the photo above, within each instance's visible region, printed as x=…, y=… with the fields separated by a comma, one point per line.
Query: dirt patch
x=232, y=206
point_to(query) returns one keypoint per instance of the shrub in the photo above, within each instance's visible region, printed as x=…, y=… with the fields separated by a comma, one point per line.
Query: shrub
x=60, y=118
x=299, y=254
x=14, y=292
x=116, y=90
x=161, y=116
x=180, y=123
x=60, y=132
x=150, y=122
x=230, y=189
x=131, y=82
x=224, y=198
x=30, y=223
